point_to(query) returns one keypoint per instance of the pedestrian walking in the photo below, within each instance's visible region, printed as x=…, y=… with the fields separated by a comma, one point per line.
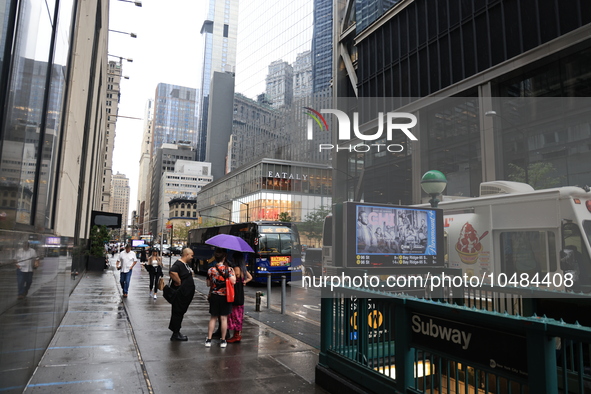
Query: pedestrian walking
x=182, y=278
x=236, y=317
x=125, y=263
x=154, y=268
x=219, y=307
x=26, y=261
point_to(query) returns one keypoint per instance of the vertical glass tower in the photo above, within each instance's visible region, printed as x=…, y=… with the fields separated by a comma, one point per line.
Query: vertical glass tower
x=219, y=33
x=175, y=119
x=322, y=46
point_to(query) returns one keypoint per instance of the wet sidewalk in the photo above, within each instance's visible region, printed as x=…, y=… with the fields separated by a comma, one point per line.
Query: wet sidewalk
x=107, y=343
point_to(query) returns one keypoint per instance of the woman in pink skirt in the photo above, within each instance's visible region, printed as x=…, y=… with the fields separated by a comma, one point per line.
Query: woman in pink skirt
x=237, y=316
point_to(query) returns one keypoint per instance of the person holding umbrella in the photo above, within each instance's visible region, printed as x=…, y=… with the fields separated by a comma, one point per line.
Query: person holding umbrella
x=219, y=307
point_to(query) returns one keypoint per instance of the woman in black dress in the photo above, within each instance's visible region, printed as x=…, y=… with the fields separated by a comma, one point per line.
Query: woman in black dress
x=182, y=278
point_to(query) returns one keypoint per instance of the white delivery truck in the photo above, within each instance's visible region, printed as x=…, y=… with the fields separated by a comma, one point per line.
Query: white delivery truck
x=512, y=229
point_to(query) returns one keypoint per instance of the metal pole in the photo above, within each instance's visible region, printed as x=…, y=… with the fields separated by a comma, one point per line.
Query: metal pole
x=283, y=281
x=268, y=290
x=257, y=307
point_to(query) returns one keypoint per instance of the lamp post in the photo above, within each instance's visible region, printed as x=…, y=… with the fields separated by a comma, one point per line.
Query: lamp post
x=130, y=60
x=433, y=183
x=524, y=136
x=132, y=35
x=137, y=3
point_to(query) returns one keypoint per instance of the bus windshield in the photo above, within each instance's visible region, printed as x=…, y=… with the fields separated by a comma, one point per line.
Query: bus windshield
x=275, y=239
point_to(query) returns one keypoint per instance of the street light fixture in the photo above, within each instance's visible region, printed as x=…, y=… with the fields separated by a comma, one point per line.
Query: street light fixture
x=433, y=183
x=137, y=3
x=130, y=60
x=524, y=136
x=132, y=35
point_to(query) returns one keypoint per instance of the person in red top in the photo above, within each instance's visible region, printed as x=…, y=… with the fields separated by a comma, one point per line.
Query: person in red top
x=218, y=306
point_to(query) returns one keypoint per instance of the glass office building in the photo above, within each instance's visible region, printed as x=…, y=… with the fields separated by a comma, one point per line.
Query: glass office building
x=175, y=119
x=219, y=32
x=515, y=79
x=52, y=139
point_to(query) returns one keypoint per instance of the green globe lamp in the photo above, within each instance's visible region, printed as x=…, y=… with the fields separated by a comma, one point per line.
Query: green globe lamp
x=433, y=183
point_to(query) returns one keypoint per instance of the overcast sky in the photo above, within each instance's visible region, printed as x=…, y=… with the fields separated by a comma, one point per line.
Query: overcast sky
x=168, y=49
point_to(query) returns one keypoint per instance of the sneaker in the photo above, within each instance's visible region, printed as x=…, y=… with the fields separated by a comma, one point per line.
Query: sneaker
x=223, y=343
x=207, y=342
x=155, y=296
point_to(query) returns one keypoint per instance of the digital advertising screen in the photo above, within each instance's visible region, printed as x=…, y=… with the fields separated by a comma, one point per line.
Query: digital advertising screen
x=392, y=236
x=137, y=242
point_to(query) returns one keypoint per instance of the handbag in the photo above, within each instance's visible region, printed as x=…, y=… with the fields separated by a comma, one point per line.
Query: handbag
x=229, y=287
x=229, y=291
x=238, y=293
x=169, y=292
x=161, y=283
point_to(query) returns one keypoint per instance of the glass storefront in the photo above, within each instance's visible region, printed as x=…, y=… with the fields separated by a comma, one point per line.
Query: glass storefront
x=265, y=190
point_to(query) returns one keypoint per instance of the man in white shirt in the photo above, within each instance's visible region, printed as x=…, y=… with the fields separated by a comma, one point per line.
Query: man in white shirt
x=125, y=262
x=26, y=261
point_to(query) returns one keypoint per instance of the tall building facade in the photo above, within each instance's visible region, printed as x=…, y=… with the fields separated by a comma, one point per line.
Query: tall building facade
x=186, y=180
x=302, y=75
x=253, y=123
x=175, y=120
x=113, y=93
x=280, y=84
x=143, y=197
x=322, y=46
x=272, y=124
x=163, y=160
x=120, y=199
x=486, y=58
x=219, y=32
x=52, y=140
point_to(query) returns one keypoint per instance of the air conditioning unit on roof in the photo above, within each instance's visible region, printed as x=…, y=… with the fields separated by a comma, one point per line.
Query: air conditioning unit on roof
x=503, y=187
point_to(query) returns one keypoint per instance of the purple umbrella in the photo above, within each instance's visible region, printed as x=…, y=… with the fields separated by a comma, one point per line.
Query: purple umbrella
x=230, y=242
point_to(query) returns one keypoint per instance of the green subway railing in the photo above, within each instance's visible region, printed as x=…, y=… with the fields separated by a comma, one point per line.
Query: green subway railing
x=396, y=343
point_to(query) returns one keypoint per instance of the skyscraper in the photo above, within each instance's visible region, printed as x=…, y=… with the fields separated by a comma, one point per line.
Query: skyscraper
x=219, y=33
x=175, y=119
x=267, y=32
x=120, y=198
x=302, y=75
x=143, y=197
x=322, y=45
x=113, y=92
x=280, y=84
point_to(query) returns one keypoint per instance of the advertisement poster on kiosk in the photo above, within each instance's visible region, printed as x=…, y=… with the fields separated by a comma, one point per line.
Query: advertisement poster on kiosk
x=392, y=236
